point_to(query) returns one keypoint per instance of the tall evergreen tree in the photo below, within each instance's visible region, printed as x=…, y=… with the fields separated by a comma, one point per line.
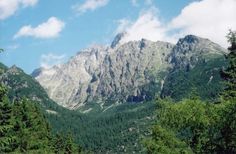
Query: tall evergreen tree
x=58, y=144
x=31, y=127
x=227, y=141
x=229, y=75
x=6, y=126
x=65, y=144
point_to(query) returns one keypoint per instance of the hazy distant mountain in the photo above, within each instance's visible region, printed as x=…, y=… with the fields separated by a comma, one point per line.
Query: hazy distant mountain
x=129, y=72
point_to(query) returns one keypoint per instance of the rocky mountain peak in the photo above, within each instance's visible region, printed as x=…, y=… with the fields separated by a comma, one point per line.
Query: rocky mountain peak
x=191, y=50
x=14, y=70
x=37, y=72
x=117, y=39
x=189, y=39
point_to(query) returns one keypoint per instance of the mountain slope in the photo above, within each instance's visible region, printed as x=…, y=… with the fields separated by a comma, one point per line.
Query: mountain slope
x=197, y=63
x=21, y=85
x=131, y=72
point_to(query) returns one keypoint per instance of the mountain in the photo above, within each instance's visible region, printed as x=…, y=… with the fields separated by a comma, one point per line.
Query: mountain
x=196, y=65
x=129, y=72
x=21, y=85
x=107, y=74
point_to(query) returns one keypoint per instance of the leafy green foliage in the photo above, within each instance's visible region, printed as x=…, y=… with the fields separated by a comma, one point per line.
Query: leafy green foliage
x=163, y=141
x=203, y=127
x=227, y=127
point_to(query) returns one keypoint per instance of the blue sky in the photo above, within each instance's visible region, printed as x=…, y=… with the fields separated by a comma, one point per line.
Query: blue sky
x=38, y=33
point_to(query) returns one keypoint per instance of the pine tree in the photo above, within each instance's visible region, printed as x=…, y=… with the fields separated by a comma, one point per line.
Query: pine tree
x=31, y=128
x=6, y=126
x=70, y=146
x=58, y=144
x=64, y=144
x=227, y=141
x=229, y=75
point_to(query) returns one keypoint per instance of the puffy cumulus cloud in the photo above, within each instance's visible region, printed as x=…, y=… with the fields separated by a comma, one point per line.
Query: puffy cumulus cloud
x=89, y=5
x=207, y=18
x=49, y=29
x=9, y=7
x=147, y=26
x=50, y=59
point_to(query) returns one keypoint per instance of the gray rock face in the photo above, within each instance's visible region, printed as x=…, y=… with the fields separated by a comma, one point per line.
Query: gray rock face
x=130, y=67
x=191, y=50
x=117, y=39
x=133, y=72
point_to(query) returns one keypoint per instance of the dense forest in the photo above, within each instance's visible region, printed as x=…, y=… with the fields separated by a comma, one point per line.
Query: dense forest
x=24, y=129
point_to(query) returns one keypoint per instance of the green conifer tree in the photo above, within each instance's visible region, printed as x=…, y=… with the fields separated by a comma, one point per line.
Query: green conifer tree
x=229, y=75
x=31, y=128
x=58, y=144
x=227, y=139
x=6, y=126
x=70, y=146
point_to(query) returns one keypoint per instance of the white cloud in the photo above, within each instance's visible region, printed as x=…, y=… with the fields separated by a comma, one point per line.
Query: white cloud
x=89, y=5
x=207, y=18
x=50, y=59
x=49, y=29
x=123, y=25
x=9, y=7
x=147, y=26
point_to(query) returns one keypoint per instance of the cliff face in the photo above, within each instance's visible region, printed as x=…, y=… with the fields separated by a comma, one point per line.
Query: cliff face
x=130, y=72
